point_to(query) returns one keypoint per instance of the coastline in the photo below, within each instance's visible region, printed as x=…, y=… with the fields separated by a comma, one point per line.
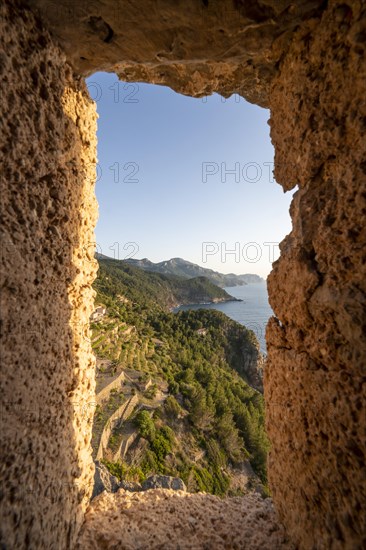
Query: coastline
x=211, y=302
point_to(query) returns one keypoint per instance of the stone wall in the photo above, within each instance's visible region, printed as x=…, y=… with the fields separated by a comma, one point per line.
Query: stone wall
x=117, y=418
x=48, y=150
x=124, y=446
x=315, y=380
x=104, y=394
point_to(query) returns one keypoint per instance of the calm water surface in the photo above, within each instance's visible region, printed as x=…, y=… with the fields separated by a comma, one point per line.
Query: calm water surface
x=253, y=312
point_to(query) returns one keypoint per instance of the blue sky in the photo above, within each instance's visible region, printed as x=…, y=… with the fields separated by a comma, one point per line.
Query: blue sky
x=185, y=177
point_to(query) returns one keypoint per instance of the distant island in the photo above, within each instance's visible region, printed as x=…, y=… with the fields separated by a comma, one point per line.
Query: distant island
x=189, y=270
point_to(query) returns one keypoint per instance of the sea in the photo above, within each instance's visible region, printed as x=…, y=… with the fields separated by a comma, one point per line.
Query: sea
x=253, y=312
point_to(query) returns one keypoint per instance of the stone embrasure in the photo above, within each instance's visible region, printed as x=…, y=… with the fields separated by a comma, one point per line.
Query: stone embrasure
x=163, y=518
x=305, y=59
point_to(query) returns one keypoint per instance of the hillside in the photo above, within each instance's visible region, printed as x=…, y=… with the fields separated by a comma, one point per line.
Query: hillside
x=175, y=391
x=167, y=290
x=183, y=268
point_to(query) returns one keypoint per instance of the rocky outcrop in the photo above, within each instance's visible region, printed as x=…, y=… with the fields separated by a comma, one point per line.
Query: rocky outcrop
x=103, y=480
x=171, y=519
x=315, y=379
x=131, y=486
x=251, y=366
x=244, y=355
x=163, y=482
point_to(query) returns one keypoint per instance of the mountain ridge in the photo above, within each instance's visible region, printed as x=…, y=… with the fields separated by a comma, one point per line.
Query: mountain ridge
x=184, y=268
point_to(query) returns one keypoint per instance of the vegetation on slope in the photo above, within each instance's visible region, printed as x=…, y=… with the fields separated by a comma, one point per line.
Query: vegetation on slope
x=210, y=421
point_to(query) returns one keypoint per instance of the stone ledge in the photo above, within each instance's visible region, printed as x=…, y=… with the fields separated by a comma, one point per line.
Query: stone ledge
x=162, y=518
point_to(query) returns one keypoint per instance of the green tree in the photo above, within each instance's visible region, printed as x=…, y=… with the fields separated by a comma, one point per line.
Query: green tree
x=229, y=437
x=172, y=407
x=202, y=411
x=146, y=425
x=162, y=444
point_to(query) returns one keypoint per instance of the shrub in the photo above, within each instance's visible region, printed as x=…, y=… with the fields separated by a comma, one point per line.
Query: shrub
x=173, y=387
x=151, y=392
x=150, y=465
x=204, y=480
x=117, y=469
x=124, y=472
x=168, y=434
x=145, y=425
x=162, y=444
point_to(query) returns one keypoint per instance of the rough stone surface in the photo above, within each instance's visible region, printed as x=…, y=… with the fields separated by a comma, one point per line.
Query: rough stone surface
x=48, y=151
x=103, y=480
x=163, y=482
x=315, y=385
x=174, y=519
x=195, y=47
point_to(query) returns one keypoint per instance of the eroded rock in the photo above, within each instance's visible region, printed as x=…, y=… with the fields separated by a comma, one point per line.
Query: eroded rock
x=48, y=211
